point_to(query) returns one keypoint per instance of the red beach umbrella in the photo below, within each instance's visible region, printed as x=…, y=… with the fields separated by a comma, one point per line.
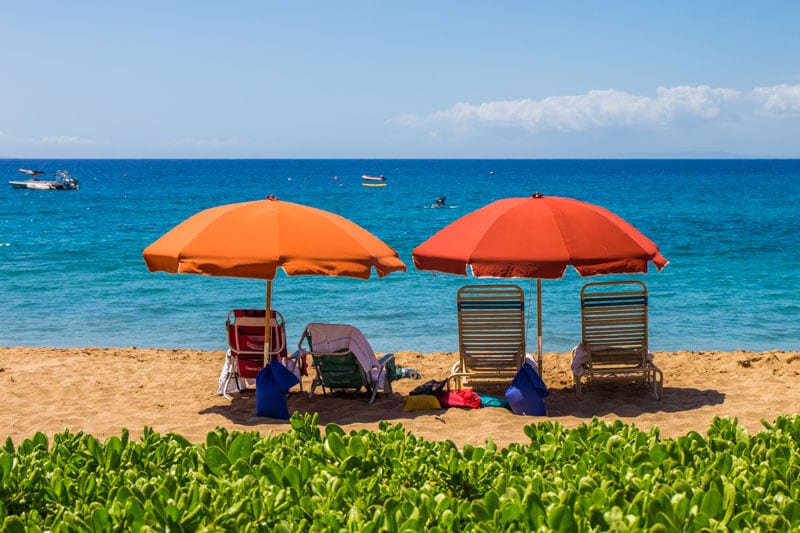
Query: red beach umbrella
x=538, y=237
x=255, y=239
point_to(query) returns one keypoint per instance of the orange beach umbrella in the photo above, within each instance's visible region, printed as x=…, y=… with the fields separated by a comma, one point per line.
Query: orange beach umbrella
x=538, y=237
x=254, y=239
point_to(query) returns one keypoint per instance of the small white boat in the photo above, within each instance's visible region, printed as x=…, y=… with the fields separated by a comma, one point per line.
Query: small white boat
x=63, y=182
x=373, y=181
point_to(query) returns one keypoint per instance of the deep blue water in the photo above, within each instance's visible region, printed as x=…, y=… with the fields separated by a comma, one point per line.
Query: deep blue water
x=72, y=274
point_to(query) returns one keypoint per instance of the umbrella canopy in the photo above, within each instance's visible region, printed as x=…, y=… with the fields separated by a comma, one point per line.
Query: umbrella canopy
x=255, y=239
x=538, y=237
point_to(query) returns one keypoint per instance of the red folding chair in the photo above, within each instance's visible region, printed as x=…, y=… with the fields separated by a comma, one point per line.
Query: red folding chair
x=245, y=356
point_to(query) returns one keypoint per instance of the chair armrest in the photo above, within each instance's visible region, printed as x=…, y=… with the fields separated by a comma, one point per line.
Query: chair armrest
x=385, y=359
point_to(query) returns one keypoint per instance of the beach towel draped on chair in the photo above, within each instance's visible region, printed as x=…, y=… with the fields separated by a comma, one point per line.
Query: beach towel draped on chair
x=343, y=359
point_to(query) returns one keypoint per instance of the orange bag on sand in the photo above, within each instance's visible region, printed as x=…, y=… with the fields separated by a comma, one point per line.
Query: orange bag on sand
x=459, y=398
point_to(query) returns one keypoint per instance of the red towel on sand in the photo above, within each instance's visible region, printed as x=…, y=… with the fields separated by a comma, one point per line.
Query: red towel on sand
x=459, y=398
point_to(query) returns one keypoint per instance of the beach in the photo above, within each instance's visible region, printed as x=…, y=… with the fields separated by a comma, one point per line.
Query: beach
x=101, y=390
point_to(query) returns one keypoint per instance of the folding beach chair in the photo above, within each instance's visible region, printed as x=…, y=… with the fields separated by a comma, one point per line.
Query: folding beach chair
x=245, y=355
x=343, y=360
x=491, y=335
x=614, y=344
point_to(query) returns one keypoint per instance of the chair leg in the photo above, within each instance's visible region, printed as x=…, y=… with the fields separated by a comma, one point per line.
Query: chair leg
x=225, y=387
x=658, y=383
x=578, y=389
x=233, y=373
x=373, y=387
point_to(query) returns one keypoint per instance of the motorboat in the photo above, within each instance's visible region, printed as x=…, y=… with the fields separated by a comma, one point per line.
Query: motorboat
x=373, y=181
x=62, y=182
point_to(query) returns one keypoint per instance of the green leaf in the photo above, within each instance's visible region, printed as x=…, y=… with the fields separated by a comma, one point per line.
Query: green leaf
x=216, y=459
x=561, y=519
x=213, y=438
x=13, y=524
x=712, y=503
x=334, y=428
x=491, y=502
x=134, y=514
x=658, y=453
x=101, y=520
x=40, y=439
x=479, y=512
x=792, y=513
x=241, y=447
x=6, y=464
x=113, y=453
x=334, y=443
x=291, y=475
x=356, y=447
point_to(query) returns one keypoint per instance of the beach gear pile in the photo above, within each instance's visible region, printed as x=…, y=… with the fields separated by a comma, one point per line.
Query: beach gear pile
x=524, y=396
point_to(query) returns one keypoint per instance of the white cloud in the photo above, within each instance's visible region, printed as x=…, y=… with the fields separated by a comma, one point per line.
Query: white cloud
x=779, y=100
x=613, y=108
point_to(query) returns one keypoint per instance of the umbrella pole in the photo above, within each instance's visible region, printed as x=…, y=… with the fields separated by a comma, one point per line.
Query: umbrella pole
x=267, y=329
x=539, y=321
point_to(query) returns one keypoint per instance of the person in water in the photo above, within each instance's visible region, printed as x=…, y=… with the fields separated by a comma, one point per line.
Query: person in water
x=440, y=201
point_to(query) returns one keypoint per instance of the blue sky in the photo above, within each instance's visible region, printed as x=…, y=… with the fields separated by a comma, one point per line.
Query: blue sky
x=375, y=79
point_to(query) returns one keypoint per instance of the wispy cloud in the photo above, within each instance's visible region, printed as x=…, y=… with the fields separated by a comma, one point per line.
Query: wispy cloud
x=64, y=140
x=613, y=108
x=779, y=100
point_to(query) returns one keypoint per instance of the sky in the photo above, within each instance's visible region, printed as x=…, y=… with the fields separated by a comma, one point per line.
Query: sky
x=405, y=79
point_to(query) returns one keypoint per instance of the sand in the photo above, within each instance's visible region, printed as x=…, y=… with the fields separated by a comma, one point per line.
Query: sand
x=102, y=390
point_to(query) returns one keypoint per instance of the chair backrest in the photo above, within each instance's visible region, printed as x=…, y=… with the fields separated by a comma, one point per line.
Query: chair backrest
x=334, y=353
x=325, y=338
x=245, y=332
x=491, y=330
x=614, y=322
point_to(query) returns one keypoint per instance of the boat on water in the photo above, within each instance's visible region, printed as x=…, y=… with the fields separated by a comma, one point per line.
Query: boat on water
x=373, y=181
x=62, y=182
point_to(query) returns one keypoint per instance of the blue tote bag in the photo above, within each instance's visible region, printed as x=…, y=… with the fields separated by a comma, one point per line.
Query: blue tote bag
x=527, y=392
x=272, y=384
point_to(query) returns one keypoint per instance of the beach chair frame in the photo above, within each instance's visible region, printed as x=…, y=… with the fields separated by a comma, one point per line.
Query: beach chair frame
x=340, y=371
x=614, y=334
x=491, y=335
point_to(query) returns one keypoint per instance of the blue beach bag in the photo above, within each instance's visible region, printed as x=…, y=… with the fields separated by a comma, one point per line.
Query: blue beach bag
x=527, y=392
x=272, y=384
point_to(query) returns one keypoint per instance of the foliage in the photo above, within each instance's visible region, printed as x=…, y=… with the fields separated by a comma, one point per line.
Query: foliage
x=596, y=477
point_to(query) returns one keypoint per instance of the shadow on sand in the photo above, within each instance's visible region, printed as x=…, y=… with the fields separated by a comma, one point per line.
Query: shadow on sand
x=344, y=409
x=339, y=408
x=626, y=401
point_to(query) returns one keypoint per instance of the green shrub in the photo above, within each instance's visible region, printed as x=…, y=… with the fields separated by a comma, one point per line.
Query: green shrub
x=597, y=477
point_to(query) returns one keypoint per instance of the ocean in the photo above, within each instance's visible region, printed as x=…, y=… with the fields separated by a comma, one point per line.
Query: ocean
x=72, y=273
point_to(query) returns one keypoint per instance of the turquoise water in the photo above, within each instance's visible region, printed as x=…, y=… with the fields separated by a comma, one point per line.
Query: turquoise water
x=72, y=274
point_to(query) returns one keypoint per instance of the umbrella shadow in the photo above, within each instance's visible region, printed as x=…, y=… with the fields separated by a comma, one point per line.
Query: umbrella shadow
x=339, y=408
x=627, y=401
